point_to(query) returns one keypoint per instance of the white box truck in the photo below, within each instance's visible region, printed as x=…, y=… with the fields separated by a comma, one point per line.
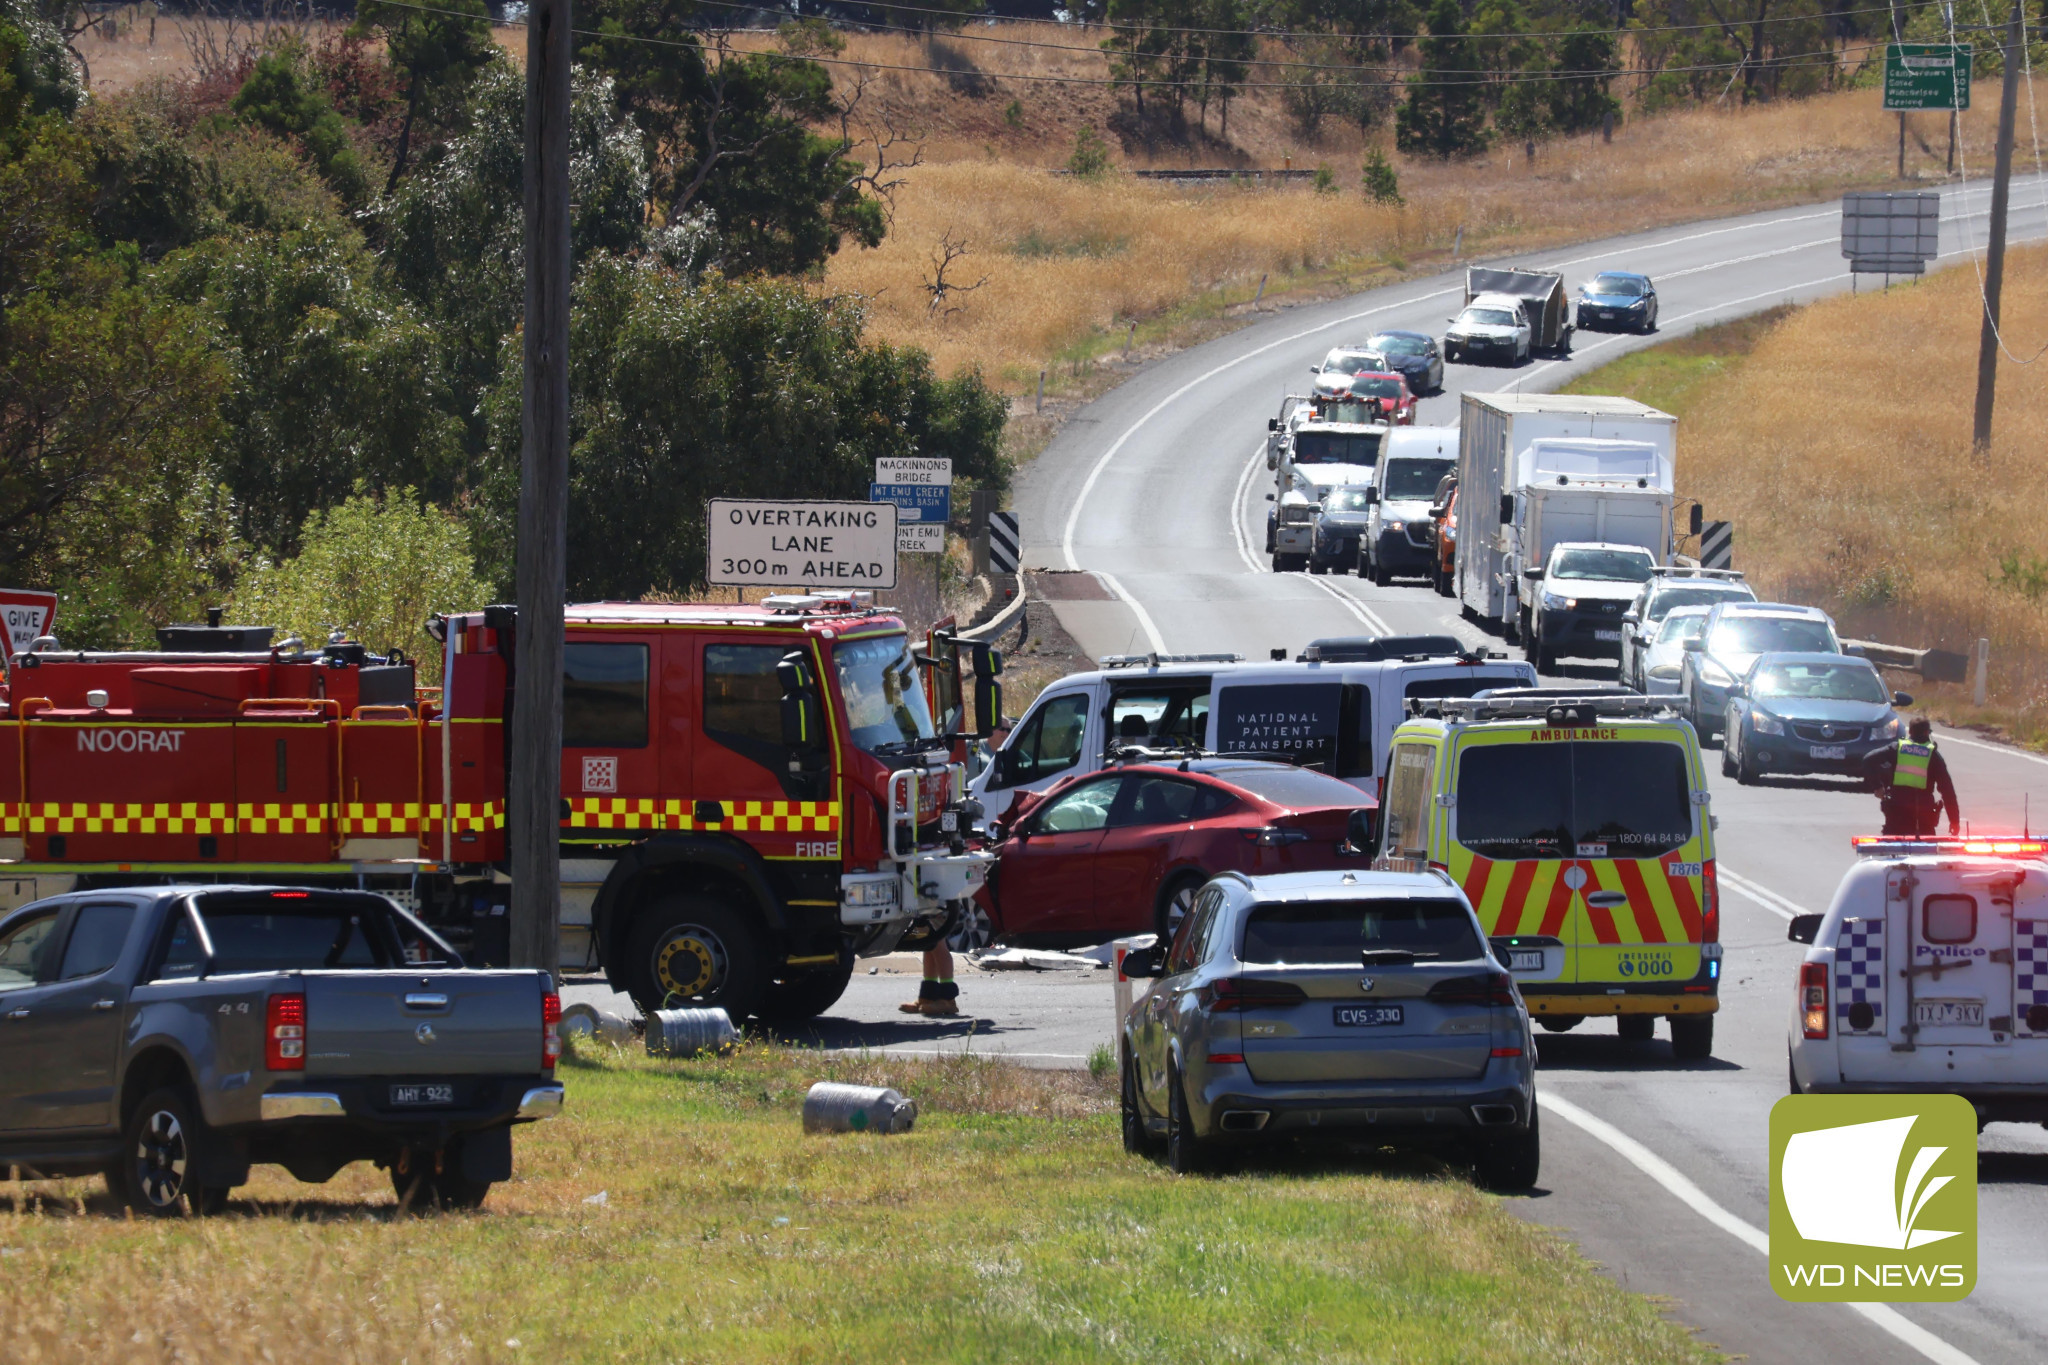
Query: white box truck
x=1537, y=469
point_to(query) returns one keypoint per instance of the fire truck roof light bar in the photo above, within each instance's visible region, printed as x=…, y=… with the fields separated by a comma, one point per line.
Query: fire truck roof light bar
x=1891, y=846
x=1154, y=660
x=790, y=604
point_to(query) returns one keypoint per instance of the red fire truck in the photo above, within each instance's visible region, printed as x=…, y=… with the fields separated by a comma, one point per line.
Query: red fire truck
x=752, y=795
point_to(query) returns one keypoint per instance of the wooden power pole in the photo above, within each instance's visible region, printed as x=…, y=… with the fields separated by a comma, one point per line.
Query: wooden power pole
x=533, y=786
x=1994, y=249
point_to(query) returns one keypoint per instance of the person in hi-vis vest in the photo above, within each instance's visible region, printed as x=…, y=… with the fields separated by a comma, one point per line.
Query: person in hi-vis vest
x=1913, y=785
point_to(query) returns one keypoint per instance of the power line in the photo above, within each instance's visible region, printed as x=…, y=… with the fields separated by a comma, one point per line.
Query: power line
x=956, y=16
x=1782, y=63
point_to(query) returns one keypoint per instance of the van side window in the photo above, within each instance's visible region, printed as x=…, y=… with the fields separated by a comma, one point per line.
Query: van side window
x=1049, y=742
x=1949, y=919
x=1411, y=781
x=1160, y=715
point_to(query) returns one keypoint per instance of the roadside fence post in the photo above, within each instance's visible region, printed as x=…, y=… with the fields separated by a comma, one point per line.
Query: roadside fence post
x=1123, y=990
x=1040, y=406
x=1983, y=667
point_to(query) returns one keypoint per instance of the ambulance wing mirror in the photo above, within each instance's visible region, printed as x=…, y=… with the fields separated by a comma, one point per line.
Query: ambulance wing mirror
x=803, y=724
x=1803, y=928
x=988, y=693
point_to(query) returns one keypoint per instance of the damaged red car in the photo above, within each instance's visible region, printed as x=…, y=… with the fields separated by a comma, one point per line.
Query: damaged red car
x=1123, y=851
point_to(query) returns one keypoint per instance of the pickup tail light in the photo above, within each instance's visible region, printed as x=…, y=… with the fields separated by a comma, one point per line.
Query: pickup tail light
x=284, y=1033
x=1248, y=992
x=1813, y=998
x=1710, y=904
x=550, y=1031
x=1481, y=988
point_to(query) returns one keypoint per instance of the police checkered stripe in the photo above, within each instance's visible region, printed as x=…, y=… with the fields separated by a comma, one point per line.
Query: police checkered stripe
x=281, y=817
x=100, y=817
x=2029, y=972
x=1859, y=973
x=757, y=817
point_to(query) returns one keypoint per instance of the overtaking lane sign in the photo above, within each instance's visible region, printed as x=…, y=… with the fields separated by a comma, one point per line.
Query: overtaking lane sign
x=1927, y=76
x=788, y=544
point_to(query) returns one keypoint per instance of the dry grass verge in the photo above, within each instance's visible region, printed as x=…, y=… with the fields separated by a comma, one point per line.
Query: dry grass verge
x=1838, y=441
x=1008, y=1226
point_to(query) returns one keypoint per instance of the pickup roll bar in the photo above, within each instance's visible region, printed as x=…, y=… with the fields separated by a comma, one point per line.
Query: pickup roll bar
x=1154, y=660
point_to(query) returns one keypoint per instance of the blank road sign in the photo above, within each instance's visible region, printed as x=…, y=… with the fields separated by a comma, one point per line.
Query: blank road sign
x=1002, y=542
x=1891, y=234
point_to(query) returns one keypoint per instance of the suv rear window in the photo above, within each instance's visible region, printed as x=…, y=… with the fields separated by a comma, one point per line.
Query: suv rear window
x=1310, y=932
x=1575, y=799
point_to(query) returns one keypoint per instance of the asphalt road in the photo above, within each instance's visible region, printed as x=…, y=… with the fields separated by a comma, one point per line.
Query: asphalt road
x=1158, y=488
x=1658, y=1170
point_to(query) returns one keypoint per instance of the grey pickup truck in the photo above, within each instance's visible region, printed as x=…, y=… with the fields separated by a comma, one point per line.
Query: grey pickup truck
x=171, y=1036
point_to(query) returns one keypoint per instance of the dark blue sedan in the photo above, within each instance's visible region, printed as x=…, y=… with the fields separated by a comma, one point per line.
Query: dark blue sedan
x=1808, y=713
x=1413, y=356
x=1617, y=301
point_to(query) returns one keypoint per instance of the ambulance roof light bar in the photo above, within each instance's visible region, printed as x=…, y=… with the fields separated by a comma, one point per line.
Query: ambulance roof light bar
x=1897, y=846
x=1558, y=705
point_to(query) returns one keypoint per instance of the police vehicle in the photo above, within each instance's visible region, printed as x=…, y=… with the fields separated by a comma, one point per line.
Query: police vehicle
x=1576, y=823
x=1929, y=975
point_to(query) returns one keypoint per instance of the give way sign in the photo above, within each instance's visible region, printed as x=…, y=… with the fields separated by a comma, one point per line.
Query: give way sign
x=27, y=614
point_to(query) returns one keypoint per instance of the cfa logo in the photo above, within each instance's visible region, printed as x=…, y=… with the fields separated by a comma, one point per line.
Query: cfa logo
x=601, y=775
x=1873, y=1198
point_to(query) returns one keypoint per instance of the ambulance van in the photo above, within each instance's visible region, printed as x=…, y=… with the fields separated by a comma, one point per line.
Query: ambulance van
x=1577, y=825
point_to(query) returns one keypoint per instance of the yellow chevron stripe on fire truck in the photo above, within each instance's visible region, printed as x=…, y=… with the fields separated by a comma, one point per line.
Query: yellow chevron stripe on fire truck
x=764, y=817
x=105, y=817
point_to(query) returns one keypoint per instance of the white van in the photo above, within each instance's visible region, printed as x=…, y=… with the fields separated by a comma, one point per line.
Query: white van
x=1929, y=975
x=1335, y=708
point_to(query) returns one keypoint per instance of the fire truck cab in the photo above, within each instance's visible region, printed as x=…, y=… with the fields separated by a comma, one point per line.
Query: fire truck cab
x=752, y=796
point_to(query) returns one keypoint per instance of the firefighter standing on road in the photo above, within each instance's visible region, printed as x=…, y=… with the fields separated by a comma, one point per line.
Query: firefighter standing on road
x=1913, y=785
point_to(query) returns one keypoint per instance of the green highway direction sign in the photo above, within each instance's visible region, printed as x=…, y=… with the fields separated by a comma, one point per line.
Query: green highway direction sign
x=1927, y=76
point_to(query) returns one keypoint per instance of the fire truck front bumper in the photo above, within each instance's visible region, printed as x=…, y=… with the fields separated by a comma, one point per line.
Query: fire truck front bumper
x=924, y=884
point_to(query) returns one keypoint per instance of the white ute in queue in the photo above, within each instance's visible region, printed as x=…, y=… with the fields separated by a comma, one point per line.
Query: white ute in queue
x=1929, y=974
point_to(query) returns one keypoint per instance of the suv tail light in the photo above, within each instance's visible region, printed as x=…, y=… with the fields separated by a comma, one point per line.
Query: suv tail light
x=1710, y=905
x=284, y=1033
x=1483, y=988
x=1813, y=998
x=550, y=1031
x=1248, y=992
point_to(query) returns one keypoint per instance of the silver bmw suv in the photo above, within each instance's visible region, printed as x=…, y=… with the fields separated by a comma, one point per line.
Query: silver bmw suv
x=1343, y=1005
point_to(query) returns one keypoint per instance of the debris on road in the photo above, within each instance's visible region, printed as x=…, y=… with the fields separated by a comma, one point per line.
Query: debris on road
x=1035, y=960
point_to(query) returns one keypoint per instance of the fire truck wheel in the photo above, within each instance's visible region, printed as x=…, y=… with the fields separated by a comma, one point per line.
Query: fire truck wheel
x=693, y=952
x=807, y=996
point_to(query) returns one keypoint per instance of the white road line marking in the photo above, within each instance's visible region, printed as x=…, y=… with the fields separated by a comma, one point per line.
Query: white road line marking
x=1137, y=610
x=1762, y=895
x=2004, y=750
x=1354, y=606
x=1238, y=509
x=1881, y=1316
